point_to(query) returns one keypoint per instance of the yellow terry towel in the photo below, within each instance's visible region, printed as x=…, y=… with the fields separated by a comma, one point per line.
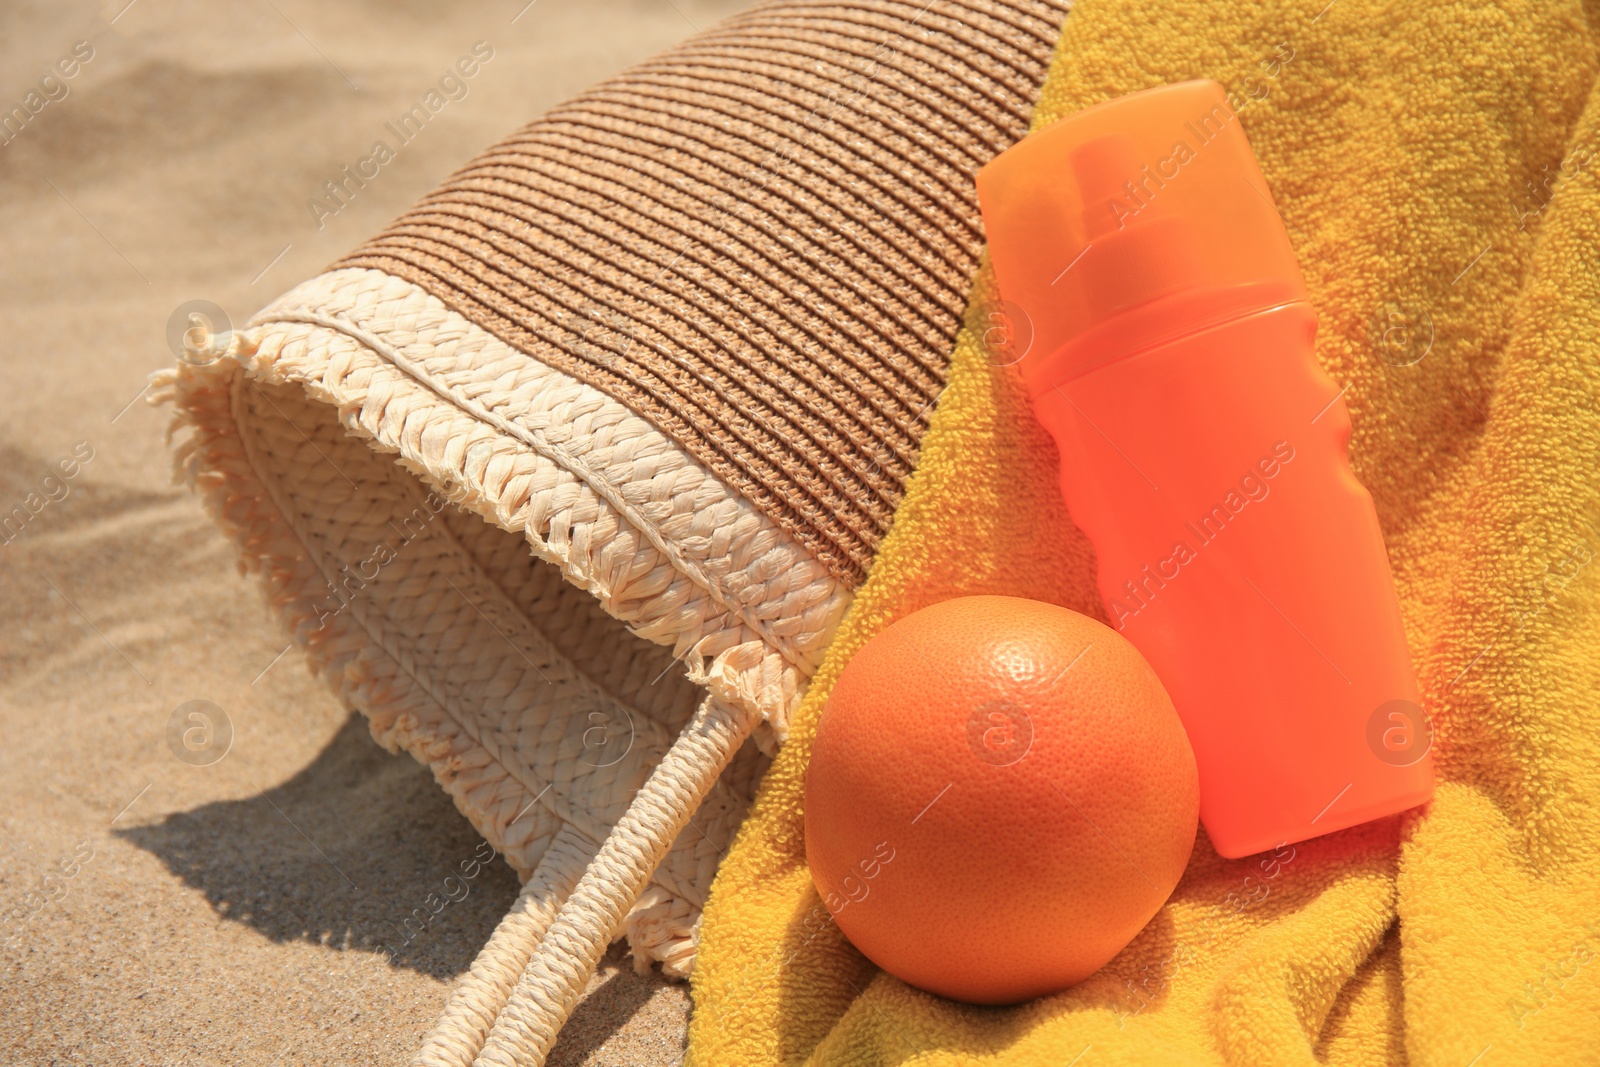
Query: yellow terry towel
x=1437, y=166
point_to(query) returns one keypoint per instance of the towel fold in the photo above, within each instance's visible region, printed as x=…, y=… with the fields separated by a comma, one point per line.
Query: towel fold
x=1435, y=165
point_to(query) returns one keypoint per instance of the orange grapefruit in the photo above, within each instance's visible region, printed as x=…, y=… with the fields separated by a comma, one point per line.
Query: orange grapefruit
x=1000, y=796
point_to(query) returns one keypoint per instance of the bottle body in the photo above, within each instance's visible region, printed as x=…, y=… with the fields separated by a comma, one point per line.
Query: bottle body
x=1239, y=554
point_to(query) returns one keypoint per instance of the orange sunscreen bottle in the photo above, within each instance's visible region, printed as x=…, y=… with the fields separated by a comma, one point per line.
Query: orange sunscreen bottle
x=1167, y=346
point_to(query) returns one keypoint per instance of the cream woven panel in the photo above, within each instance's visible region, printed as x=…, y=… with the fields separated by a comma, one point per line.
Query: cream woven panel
x=510, y=683
x=663, y=543
x=530, y=698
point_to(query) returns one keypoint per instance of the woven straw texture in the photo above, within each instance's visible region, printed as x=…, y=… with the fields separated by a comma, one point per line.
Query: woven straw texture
x=501, y=675
x=760, y=242
x=565, y=480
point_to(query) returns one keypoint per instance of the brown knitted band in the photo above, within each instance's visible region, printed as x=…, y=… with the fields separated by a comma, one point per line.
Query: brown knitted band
x=760, y=241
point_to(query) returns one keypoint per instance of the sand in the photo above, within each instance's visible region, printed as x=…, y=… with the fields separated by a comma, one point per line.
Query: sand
x=250, y=908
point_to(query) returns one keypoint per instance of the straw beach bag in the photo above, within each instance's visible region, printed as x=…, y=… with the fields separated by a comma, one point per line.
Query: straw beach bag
x=565, y=479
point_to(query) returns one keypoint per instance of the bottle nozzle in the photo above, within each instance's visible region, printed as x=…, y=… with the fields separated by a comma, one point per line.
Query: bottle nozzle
x=1135, y=252
x=1104, y=169
x=1123, y=204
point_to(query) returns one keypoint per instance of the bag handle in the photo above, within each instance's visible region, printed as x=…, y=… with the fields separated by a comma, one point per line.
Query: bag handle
x=551, y=952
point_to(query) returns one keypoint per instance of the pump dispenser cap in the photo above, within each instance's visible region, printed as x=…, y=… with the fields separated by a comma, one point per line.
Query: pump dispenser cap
x=1152, y=201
